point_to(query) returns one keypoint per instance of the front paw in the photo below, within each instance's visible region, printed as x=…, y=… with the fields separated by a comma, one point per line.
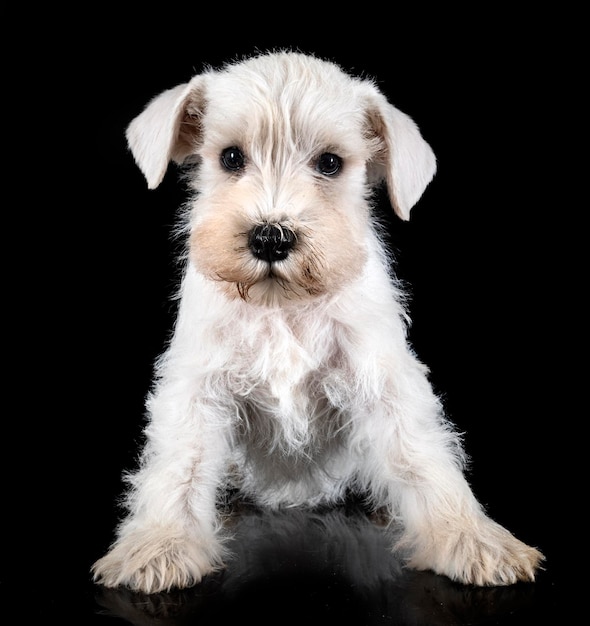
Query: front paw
x=480, y=553
x=157, y=559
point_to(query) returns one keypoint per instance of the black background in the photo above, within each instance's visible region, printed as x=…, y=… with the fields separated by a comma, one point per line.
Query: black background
x=485, y=254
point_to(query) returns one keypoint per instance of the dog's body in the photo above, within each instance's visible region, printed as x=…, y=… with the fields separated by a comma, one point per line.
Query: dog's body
x=289, y=374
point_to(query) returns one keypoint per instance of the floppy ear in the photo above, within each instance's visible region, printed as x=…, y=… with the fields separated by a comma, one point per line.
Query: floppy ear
x=403, y=159
x=167, y=130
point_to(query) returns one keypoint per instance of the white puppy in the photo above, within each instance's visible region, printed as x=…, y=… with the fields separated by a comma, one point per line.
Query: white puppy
x=289, y=374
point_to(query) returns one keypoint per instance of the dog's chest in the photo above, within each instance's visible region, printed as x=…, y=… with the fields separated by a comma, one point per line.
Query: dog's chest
x=280, y=354
x=288, y=383
x=287, y=365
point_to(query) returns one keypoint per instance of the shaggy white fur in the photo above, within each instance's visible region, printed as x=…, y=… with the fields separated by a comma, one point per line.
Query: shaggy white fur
x=289, y=373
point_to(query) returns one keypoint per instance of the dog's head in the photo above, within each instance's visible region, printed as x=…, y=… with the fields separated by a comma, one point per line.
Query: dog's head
x=286, y=148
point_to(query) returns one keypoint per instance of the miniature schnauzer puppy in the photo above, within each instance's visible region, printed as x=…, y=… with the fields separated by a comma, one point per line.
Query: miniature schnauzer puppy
x=289, y=375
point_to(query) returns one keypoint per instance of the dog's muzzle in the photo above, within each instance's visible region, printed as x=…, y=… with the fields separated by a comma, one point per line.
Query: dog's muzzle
x=271, y=242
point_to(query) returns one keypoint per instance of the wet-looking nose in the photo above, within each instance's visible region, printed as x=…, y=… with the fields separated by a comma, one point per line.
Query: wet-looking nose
x=271, y=242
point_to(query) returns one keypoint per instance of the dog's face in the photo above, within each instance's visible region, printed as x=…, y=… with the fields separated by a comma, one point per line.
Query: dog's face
x=287, y=148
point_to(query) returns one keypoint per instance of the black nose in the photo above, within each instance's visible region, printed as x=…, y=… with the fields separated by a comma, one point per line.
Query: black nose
x=271, y=242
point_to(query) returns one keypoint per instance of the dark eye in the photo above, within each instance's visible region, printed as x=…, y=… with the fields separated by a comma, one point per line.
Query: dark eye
x=329, y=164
x=232, y=159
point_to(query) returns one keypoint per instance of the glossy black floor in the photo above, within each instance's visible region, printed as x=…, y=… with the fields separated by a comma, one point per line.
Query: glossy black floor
x=326, y=567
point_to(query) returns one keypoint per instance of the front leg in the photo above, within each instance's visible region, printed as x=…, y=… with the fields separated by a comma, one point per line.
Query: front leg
x=419, y=473
x=169, y=537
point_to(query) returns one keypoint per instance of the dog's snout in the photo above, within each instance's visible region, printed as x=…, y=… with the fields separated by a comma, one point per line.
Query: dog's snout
x=271, y=242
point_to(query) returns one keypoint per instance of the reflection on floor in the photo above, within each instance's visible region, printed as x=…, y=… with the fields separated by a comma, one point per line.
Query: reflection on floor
x=321, y=567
